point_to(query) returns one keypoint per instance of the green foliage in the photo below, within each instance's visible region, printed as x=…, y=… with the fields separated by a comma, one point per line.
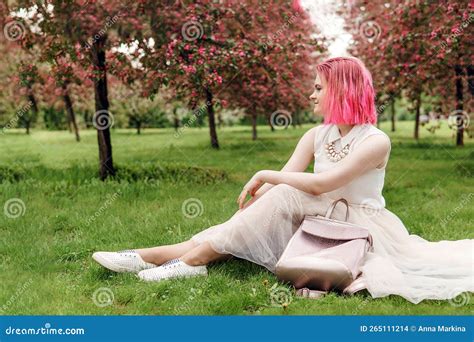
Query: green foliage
x=11, y=173
x=54, y=119
x=174, y=173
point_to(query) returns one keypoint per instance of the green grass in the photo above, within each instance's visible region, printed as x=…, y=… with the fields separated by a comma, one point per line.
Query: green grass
x=45, y=254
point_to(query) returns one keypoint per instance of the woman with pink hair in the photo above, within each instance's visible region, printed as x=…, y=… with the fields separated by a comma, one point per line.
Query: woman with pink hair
x=350, y=157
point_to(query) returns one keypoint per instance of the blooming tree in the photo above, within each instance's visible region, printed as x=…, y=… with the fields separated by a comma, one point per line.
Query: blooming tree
x=416, y=47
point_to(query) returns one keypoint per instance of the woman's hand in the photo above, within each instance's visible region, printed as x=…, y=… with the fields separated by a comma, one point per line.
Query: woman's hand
x=250, y=188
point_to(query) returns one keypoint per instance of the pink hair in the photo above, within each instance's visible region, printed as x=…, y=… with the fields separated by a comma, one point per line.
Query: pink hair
x=349, y=97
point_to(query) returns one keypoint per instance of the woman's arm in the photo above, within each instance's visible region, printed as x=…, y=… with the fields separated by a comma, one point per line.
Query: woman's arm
x=370, y=154
x=299, y=161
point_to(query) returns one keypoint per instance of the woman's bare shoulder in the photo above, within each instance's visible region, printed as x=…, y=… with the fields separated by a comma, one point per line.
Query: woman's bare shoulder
x=313, y=135
x=374, y=130
x=314, y=131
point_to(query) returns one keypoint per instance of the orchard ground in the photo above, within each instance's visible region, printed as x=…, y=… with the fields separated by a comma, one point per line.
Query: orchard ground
x=64, y=213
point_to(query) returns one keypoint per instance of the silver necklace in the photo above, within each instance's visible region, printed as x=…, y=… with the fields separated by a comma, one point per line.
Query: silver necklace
x=334, y=155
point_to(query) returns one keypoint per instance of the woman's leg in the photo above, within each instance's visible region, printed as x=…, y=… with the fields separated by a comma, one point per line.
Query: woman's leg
x=193, y=251
x=188, y=251
x=202, y=255
x=161, y=254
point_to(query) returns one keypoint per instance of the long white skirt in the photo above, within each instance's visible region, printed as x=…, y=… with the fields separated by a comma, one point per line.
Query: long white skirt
x=401, y=264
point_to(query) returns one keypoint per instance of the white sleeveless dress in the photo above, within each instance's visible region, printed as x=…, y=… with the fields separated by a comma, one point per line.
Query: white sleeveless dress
x=401, y=264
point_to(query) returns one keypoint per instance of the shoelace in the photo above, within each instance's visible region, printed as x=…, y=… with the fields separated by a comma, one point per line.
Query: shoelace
x=171, y=262
x=167, y=265
x=127, y=251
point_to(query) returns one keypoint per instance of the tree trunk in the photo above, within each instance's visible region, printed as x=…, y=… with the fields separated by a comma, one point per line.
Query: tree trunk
x=212, y=119
x=392, y=110
x=106, y=167
x=470, y=79
x=139, y=126
x=175, y=119
x=298, y=118
x=68, y=121
x=254, y=125
x=34, y=108
x=459, y=106
x=417, y=115
x=70, y=112
x=269, y=120
x=220, y=121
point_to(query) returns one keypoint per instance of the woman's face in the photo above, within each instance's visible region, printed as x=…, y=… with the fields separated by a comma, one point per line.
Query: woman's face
x=317, y=95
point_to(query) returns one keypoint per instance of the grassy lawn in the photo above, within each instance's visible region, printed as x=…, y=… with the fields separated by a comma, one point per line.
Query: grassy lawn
x=45, y=253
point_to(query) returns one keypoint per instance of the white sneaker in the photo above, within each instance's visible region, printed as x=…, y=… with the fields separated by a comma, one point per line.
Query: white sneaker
x=122, y=261
x=174, y=268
